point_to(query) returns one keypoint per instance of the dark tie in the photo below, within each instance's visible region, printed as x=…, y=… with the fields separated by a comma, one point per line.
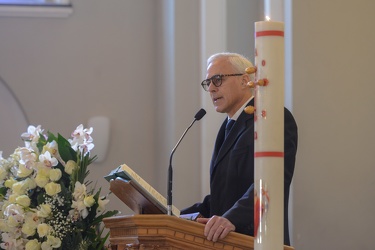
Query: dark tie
x=228, y=127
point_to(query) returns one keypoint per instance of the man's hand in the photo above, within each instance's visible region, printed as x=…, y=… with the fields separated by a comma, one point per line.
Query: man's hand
x=216, y=227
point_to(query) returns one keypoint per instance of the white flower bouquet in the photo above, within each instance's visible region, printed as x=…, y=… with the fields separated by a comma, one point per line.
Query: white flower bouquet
x=44, y=198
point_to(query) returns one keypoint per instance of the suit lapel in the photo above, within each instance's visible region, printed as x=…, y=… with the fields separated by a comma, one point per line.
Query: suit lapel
x=222, y=146
x=236, y=131
x=218, y=144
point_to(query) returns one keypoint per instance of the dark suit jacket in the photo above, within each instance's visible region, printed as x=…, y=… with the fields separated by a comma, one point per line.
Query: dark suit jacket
x=232, y=174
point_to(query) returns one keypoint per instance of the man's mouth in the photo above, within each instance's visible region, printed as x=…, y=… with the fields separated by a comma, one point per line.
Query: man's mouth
x=214, y=99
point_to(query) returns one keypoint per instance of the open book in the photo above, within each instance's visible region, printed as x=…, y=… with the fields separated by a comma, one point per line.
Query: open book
x=136, y=193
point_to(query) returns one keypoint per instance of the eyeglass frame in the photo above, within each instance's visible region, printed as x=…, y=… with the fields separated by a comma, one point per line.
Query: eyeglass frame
x=219, y=77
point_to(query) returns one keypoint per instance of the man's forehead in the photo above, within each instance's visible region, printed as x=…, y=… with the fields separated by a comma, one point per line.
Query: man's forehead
x=217, y=66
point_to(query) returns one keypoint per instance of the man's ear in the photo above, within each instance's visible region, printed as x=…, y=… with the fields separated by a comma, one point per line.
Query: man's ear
x=245, y=79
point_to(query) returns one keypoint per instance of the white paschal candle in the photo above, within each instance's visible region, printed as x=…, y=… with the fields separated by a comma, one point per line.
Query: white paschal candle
x=269, y=136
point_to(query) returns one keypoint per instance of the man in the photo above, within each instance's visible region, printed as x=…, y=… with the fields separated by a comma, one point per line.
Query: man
x=230, y=204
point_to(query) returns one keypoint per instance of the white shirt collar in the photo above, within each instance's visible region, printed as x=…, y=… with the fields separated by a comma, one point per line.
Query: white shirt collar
x=239, y=111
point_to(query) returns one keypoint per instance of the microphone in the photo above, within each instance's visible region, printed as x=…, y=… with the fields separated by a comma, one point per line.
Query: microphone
x=197, y=117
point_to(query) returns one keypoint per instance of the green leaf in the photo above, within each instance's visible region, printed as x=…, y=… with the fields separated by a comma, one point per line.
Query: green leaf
x=41, y=142
x=99, y=218
x=3, y=191
x=65, y=149
x=40, y=198
x=51, y=137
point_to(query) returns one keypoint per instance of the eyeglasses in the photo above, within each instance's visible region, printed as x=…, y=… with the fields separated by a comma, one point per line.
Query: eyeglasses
x=217, y=80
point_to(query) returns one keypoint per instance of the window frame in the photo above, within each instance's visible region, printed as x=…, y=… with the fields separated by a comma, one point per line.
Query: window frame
x=36, y=9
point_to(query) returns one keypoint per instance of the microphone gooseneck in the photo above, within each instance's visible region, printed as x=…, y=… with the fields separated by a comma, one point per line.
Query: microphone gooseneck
x=197, y=117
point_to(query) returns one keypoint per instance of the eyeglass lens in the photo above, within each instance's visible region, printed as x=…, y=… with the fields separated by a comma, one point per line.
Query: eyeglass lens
x=216, y=80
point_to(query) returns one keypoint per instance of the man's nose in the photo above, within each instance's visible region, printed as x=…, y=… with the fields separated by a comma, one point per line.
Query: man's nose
x=212, y=87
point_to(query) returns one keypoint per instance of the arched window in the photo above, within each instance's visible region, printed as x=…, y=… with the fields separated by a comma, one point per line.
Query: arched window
x=36, y=2
x=36, y=8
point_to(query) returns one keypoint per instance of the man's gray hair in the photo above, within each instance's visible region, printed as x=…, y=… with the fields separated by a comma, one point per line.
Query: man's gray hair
x=238, y=61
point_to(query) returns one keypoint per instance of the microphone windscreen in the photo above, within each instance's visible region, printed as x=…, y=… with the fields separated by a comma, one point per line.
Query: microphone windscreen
x=200, y=114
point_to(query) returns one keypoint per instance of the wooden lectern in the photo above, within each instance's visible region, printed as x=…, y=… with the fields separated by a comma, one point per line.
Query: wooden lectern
x=147, y=231
x=156, y=230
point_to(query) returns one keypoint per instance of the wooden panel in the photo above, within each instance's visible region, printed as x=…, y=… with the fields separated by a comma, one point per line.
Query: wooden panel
x=168, y=232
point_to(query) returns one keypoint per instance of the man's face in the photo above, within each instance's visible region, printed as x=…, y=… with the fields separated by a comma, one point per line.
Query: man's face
x=232, y=93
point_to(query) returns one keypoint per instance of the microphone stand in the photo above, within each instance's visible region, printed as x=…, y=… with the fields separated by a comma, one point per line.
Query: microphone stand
x=170, y=171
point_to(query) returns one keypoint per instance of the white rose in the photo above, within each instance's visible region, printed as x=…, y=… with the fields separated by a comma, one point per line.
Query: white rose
x=28, y=229
x=9, y=183
x=24, y=171
x=12, y=198
x=45, y=210
x=23, y=200
x=19, y=187
x=70, y=166
x=55, y=174
x=32, y=245
x=41, y=180
x=43, y=229
x=52, y=188
x=30, y=183
x=54, y=242
x=89, y=201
